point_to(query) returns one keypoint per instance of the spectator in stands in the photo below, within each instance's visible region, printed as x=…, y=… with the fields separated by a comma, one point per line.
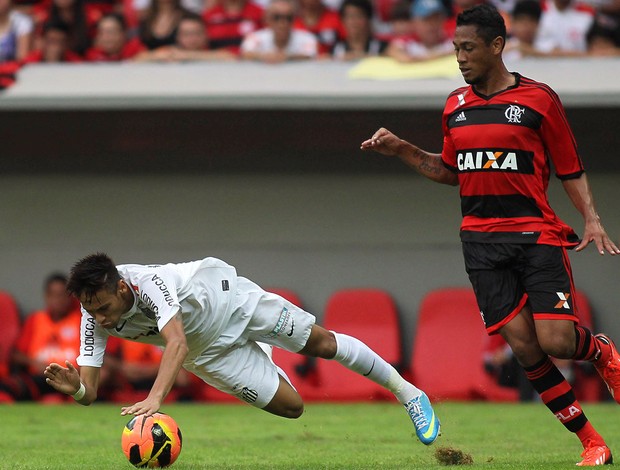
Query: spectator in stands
x=279, y=41
x=325, y=24
x=191, y=44
x=401, y=25
x=229, y=21
x=111, y=43
x=96, y=9
x=54, y=47
x=430, y=40
x=139, y=8
x=505, y=7
x=359, y=40
x=608, y=17
x=80, y=28
x=161, y=24
x=563, y=27
x=15, y=33
x=602, y=41
x=458, y=6
x=49, y=335
x=524, y=27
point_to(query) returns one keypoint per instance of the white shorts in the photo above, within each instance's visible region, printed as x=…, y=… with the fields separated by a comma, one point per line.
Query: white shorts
x=244, y=370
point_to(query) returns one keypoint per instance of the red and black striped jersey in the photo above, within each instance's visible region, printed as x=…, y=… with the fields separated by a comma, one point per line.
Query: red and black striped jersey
x=501, y=147
x=226, y=29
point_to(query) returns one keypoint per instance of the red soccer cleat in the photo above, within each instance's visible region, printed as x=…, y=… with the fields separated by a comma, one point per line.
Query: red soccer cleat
x=596, y=455
x=610, y=372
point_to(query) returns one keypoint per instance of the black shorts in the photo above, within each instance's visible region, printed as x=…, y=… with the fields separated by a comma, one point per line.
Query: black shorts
x=507, y=276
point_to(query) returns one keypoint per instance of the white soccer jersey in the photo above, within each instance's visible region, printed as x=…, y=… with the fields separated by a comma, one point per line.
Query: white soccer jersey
x=301, y=43
x=565, y=30
x=203, y=291
x=417, y=50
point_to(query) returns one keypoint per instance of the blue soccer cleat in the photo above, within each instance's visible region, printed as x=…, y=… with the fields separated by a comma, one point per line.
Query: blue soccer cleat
x=426, y=424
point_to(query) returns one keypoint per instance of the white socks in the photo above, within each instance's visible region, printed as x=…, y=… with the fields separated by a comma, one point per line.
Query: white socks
x=356, y=356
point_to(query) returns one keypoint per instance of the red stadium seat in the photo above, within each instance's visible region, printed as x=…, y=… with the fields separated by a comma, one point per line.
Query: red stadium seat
x=448, y=346
x=9, y=318
x=371, y=316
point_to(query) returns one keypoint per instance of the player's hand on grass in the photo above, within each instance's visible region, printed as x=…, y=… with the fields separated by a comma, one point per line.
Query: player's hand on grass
x=146, y=407
x=63, y=379
x=384, y=142
x=594, y=232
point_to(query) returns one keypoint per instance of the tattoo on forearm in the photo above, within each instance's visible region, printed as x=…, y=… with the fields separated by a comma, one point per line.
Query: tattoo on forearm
x=427, y=164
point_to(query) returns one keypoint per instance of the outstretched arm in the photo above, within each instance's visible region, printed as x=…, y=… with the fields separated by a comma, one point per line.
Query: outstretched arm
x=425, y=163
x=578, y=190
x=171, y=362
x=68, y=380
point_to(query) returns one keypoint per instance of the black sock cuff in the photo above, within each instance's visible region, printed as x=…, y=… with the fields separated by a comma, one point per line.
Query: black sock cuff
x=538, y=365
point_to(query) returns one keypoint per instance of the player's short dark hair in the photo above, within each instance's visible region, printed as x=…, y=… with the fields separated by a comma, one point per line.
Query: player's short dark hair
x=487, y=20
x=92, y=274
x=364, y=5
x=527, y=8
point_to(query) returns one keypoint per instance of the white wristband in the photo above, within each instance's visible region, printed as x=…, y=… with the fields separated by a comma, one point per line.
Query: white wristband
x=77, y=396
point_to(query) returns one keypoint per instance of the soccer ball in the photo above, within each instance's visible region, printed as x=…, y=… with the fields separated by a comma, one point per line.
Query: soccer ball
x=153, y=441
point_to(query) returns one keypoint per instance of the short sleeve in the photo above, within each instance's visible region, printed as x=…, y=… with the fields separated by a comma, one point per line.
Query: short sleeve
x=93, y=341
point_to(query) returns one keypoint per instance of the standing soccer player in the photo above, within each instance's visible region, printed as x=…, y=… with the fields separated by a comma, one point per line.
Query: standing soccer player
x=216, y=325
x=498, y=135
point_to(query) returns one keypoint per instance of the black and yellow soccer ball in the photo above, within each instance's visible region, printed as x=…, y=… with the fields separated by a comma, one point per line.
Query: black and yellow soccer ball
x=152, y=442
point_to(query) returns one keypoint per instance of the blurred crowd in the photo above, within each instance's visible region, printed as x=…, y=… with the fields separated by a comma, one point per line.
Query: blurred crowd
x=275, y=31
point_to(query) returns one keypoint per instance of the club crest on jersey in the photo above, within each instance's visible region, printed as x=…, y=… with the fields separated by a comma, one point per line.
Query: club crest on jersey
x=514, y=113
x=505, y=160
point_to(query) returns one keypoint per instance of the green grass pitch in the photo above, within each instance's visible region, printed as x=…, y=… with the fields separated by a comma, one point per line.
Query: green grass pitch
x=327, y=436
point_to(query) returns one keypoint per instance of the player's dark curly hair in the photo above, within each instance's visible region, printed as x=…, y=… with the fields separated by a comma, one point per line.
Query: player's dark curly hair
x=487, y=20
x=92, y=274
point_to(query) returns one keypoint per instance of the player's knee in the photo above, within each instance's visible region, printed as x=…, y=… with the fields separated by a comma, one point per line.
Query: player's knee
x=327, y=347
x=294, y=411
x=322, y=343
x=526, y=352
x=560, y=346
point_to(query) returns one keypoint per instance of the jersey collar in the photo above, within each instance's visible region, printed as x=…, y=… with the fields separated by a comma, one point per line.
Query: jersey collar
x=511, y=87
